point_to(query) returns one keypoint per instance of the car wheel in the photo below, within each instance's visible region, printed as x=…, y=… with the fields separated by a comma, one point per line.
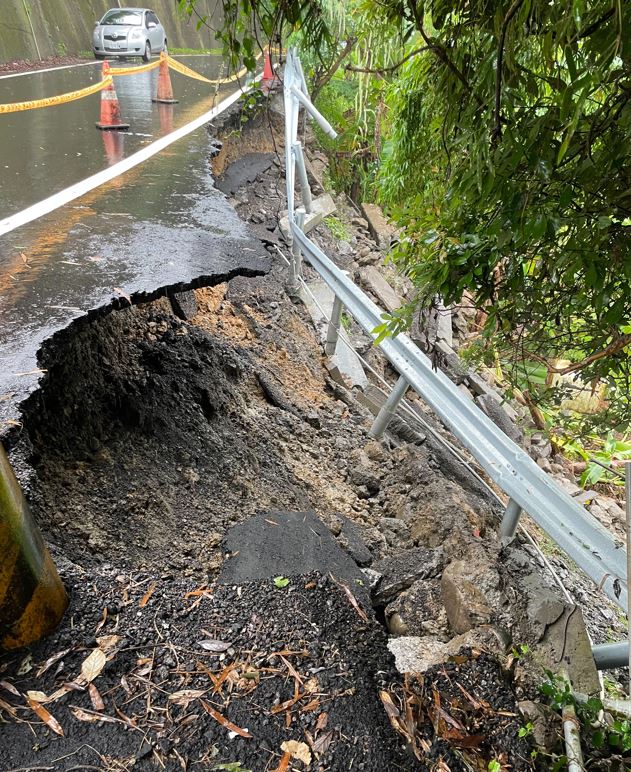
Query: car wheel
x=165, y=48
x=146, y=57
x=99, y=56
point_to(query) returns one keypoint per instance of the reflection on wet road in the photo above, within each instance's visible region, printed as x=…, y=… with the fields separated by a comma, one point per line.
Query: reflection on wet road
x=162, y=223
x=45, y=150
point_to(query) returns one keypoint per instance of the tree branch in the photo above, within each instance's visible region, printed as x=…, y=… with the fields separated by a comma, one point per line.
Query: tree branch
x=497, y=130
x=328, y=75
x=441, y=53
x=392, y=67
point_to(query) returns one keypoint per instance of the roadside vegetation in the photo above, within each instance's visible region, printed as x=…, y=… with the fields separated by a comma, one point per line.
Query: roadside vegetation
x=497, y=136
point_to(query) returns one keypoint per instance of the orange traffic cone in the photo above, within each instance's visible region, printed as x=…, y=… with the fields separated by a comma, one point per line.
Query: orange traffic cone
x=165, y=89
x=269, y=77
x=110, y=110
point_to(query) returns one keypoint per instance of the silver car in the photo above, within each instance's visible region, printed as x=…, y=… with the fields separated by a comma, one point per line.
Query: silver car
x=129, y=32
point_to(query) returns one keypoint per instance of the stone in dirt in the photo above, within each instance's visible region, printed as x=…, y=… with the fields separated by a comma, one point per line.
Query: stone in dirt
x=381, y=230
x=351, y=539
x=417, y=654
x=500, y=417
x=319, y=304
x=373, y=280
x=400, y=571
x=418, y=611
x=321, y=207
x=470, y=591
x=275, y=544
x=184, y=304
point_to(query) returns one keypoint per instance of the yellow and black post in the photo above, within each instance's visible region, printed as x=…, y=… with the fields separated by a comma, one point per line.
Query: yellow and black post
x=32, y=597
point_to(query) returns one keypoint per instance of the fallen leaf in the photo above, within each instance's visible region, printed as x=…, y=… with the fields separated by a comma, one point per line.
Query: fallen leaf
x=321, y=745
x=50, y=662
x=323, y=720
x=91, y=716
x=283, y=765
x=186, y=696
x=297, y=750
x=8, y=708
x=391, y=708
x=64, y=689
x=10, y=688
x=46, y=717
x=224, y=721
x=93, y=665
x=360, y=611
x=26, y=665
x=280, y=582
x=35, y=696
x=145, y=598
x=211, y=644
x=107, y=642
x=95, y=698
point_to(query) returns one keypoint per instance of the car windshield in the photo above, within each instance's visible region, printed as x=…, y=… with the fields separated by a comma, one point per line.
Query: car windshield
x=122, y=18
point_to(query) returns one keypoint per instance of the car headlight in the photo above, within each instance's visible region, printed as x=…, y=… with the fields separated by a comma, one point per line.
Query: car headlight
x=135, y=34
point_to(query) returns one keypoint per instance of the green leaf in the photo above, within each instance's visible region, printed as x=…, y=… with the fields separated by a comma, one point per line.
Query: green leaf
x=281, y=581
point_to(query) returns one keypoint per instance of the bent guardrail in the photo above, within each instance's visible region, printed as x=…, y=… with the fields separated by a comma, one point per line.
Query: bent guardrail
x=528, y=487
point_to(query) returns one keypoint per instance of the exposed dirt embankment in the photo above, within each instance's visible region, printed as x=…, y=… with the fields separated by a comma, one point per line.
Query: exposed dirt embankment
x=151, y=435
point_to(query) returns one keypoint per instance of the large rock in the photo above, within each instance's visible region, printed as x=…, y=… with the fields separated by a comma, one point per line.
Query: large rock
x=400, y=571
x=381, y=230
x=373, y=280
x=566, y=644
x=416, y=654
x=470, y=591
x=418, y=611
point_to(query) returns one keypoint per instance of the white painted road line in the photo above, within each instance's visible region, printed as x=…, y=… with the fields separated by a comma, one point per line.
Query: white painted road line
x=100, y=178
x=49, y=69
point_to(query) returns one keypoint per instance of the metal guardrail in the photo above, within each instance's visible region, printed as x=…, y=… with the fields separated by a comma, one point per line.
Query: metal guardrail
x=530, y=489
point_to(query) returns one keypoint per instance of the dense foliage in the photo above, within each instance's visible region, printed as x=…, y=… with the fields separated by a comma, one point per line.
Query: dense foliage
x=505, y=156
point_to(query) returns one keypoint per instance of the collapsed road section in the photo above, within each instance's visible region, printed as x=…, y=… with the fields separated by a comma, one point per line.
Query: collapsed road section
x=255, y=584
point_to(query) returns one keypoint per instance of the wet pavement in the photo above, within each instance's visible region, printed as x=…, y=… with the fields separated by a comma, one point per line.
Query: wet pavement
x=161, y=224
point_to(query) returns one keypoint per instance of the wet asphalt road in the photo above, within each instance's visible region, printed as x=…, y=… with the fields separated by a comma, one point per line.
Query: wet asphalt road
x=162, y=223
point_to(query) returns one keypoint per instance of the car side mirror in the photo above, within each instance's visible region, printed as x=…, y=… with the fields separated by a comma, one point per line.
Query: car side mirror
x=96, y=23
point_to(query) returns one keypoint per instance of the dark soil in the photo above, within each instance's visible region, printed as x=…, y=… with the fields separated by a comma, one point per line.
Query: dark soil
x=26, y=65
x=305, y=639
x=150, y=436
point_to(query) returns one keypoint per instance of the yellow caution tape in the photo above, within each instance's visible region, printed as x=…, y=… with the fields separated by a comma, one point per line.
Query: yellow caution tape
x=115, y=71
x=184, y=70
x=15, y=107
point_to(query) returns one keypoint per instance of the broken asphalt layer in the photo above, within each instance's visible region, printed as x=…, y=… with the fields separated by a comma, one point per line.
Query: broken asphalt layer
x=161, y=228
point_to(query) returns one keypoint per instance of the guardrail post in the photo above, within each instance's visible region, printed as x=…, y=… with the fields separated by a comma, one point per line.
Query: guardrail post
x=389, y=408
x=295, y=266
x=305, y=190
x=508, y=526
x=333, y=332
